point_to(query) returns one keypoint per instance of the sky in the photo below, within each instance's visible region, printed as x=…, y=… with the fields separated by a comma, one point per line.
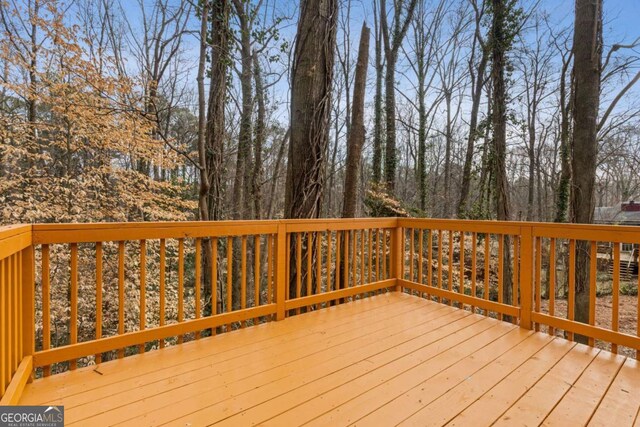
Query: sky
x=621, y=24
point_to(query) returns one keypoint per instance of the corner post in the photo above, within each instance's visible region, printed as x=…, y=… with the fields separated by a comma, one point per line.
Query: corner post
x=281, y=269
x=526, y=276
x=397, y=255
x=28, y=303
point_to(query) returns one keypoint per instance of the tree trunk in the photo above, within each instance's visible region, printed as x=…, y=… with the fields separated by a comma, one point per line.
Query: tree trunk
x=259, y=139
x=391, y=158
x=587, y=47
x=356, y=134
x=241, y=183
x=562, y=193
x=378, y=140
x=476, y=97
x=499, y=122
x=311, y=81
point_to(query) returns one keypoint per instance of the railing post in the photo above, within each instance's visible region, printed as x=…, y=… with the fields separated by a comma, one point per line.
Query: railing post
x=281, y=270
x=28, y=303
x=397, y=255
x=526, y=275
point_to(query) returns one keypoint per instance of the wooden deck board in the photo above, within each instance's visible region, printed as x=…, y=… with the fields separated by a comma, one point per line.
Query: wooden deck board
x=384, y=360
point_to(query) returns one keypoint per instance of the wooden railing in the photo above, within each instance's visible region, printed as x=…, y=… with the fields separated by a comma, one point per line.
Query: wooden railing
x=73, y=295
x=16, y=311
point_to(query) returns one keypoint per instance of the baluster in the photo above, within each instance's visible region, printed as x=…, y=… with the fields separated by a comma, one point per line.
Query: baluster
x=4, y=363
x=318, y=264
x=500, y=271
x=538, y=279
x=298, y=267
x=256, y=274
x=73, y=316
x=329, y=261
x=439, y=263
x=163, y=266
x=615, y=300
x=450, y=265
x=383, y=255
x=198, y=280
x=214, y=279
x=345, y=276
x=487, y=268
x=180, y=286
x=370, y=254
x=572, y=284
x=243, y=277
x=46, y=305
x=143, y=286
x=552, y=281
x=98, y=356
x=270, y=268
x=309, y=261
x=121, y=294
x=474, y=259
x=461, y=284
x=354, y=267
x=338, y=259
x=593, y=271
x=229, y=278
x=516, y=274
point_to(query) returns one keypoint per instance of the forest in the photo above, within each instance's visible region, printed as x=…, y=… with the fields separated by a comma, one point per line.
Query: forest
x=250, y=109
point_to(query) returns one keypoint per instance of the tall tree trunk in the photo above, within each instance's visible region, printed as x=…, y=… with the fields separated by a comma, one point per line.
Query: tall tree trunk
x=478, y=82
x=392, y=43
x=356, y=134
x=378, y=140
x=276, y=174
x=587, y=48
x=220, y=51
x=259, y=139
x=242, y=179
x=447, y=156
x=531, y=153
x=311, y=83
x=562, y=193
x=499, y=125
x=203, y=201
x=390, y=155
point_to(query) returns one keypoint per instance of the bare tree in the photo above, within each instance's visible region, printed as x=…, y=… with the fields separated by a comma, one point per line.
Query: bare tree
x=355, y=140
x=477, y=74
x=402, y=15
x=587, y=48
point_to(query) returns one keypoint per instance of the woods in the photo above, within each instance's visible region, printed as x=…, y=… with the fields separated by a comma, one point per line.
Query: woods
x=259, y=109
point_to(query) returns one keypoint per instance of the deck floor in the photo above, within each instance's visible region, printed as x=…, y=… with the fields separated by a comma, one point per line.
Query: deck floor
x=386, y=360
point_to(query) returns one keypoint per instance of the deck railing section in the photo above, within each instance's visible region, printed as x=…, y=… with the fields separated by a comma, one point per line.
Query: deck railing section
x=87, y=293
x=451, y=262
x=337, y=261
x=568, y=266
x=16, y=310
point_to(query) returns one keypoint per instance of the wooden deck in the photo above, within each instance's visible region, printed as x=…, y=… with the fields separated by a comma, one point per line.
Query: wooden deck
x=386, y=360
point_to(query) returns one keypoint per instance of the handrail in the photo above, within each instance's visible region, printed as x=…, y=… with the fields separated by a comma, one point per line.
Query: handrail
x=149, y=283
